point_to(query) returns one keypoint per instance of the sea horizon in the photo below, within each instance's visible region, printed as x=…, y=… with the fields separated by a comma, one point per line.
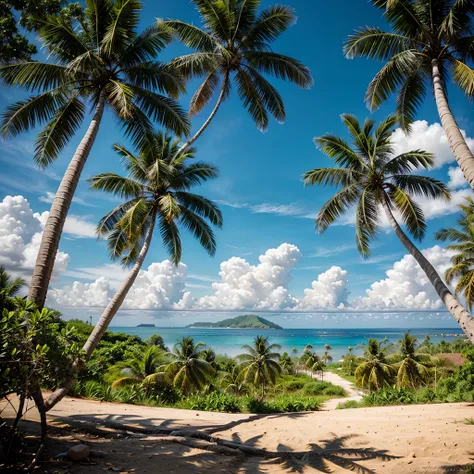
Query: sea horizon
x=230, y=341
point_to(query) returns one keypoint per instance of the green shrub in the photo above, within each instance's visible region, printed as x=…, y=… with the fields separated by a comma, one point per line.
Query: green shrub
x=214, y=401
x=284, y=403
x=334, y=390
x=390, y=396
x=316, y=388
x=426, y=395
x=349, y=404
x=292, y=385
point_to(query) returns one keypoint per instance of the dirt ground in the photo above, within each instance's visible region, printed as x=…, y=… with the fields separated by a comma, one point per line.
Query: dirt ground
x=404, y=439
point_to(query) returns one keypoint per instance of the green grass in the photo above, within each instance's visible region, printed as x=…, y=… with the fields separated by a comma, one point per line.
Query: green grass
x=333, y=368
x=468, y=421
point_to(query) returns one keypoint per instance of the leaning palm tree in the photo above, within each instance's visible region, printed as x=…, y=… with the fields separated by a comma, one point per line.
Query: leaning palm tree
x=157, y=195
x=463, y=261
x=234, y=44
x=140, y=370
x=9, y=288
x=430, y=41
x=373, y=180
x=414, y=367
x=260, y=364
x=101, y=62
x=374, y=372
x=188, y=370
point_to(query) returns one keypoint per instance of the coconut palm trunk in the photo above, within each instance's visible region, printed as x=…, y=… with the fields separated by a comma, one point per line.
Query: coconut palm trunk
x=457, y=143
x=109, y=312
x=458, y=312
x=220, y=99
x=59, y=210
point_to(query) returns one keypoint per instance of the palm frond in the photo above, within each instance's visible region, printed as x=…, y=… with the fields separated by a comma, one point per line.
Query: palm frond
x=200, y=230
x=411, y=213
x=200, y=205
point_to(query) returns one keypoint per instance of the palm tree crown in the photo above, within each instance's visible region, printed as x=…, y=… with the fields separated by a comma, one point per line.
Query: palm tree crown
x=234, y=43
x=157, y=189
x=412, y=369
x=463, y=244
x=189, y=371
x=260, y=364
x=9, y=288
x=423, y=31
x=371, y=177
x=104, y=57
x=374, y=372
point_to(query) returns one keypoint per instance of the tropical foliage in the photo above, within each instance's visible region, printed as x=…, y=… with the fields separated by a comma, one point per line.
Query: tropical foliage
x=429, y=43
x=233, y=45
x=463, y=244
x=103, y=61
x=9, y=288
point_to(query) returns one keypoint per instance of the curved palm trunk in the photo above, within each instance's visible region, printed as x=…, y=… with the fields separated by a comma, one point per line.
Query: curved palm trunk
x=222, y=94
x=109, y=312
x=458, y=312
x=59, y=210
x=461, y=151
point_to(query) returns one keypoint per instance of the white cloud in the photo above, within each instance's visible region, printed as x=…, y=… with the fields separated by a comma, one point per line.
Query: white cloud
x=262, y=286
x=428, y=138
x=406, y=285
x=76, y=226
x=456, y=178
x=161, y=286
x=20, y=238
x=266, y=208
x=49, y=198
x=329, y=291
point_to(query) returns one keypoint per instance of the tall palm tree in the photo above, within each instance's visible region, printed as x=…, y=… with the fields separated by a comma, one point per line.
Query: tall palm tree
x=260, y=364
x=326, y=357
x=157, y=195
x=233, y=44
x=286, y=363
x=463, y=261
x=9, y=288
x=413, y=368
x=144, y=370
x=372, y=179
x=431, y=41
x=374, y=372
x=188, y=370
x=101, y=62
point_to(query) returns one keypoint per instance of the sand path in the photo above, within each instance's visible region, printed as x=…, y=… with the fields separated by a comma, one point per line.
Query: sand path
x=429, y=439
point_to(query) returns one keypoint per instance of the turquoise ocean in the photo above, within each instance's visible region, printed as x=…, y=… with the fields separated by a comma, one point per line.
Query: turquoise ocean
x=230, y=341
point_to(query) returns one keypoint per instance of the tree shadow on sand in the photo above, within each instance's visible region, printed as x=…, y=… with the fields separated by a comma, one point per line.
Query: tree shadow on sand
x=465, y=469
x=333, y=451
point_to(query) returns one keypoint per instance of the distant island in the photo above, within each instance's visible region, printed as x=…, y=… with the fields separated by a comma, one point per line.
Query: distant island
x=247, y=321
x=146, y=326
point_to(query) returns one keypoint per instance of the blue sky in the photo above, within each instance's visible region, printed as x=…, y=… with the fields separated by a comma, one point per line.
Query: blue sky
x=262, y=197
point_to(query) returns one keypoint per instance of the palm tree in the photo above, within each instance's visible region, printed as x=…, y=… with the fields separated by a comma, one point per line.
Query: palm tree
x=374, y=373
x=234, y=44
x=233, y=382
x=430, y=39
x=413, y=368
x=157, y=193
x=9, y=288
x=209, y=356
x=188, y=370
x=142, y=370
x=260, y=364
x=326, y=357
x=286, y=363
x=373, y=179
x=463, y=261
x=309, y=359
x=102, y=62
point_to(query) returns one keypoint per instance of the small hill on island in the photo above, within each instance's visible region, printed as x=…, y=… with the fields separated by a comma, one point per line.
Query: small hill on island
x=247, y=321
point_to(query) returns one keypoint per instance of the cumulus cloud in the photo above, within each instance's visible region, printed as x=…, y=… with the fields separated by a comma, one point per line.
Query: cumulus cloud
x=456, y=178
x=76, y=226
x=161, y=286
x=263, y=286
x=329, y=291
x=406, y=285
x=429, y=138
x=20, y=238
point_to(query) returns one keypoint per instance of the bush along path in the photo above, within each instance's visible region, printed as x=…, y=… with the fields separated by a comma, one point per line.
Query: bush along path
x=353, y=393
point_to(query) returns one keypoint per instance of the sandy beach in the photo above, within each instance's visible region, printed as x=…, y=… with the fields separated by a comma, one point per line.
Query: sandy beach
x=402, y=439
